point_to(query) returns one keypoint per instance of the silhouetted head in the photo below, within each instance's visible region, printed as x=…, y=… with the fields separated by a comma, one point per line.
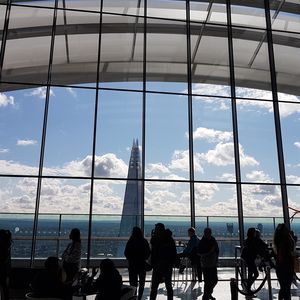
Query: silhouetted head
x=207, y=233
x=251, y=232
x=137, y=233
x=75, y=235
x=107, y=266
x=159, y=229
x=52, y=264
x=191, y=231
x=282, y=236
x=168, y=232
x=257, y=233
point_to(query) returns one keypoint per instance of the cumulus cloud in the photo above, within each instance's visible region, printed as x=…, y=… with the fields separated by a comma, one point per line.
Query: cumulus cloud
x=211, y=135
x=258, y=176
x=157, y=168
x=297, y=144
x=205, y=191
x=223, y=155
x=26, y=142
x=6, y=100
x=4, y=150
x=180, y=161
x=41, y=92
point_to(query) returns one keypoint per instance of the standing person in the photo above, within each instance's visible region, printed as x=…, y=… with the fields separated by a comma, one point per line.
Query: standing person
x=191, y=252
x=137, y=251
x=163, y=256
x=209, y=253
x=71, y=257
x=249, y=253
x=284, y=246
x=5, y=261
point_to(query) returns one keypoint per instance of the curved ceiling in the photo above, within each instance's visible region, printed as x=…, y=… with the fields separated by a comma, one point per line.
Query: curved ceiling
x=122, y=53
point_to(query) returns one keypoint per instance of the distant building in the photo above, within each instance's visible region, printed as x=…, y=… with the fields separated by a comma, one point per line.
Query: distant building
x=132, y=209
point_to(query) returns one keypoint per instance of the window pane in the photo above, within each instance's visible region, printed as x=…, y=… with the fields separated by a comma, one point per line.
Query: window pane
x=207, y=11
x=217, y=202
x=27, y=53
x=167, y=152
x=258, y=150
x=75, y=56
x=118, y=133
x=166, y=56
x=286, y=53
x=245, y=15
x=17, y=205
x=70, y=120
x=213, y=139
x=289, y=118
x=92, y=5
x=121, y=53
x=210, y=60
x=251, y=64
x=294, y=204
x=167, y=199
x=60, y=197
x=166, y=9
x=21, y=115
x=130, y=7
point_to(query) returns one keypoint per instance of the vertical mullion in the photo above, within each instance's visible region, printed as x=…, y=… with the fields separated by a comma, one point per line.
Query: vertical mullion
x=4, y=35
x=277, y=117
x=144, y=116
x=235, y=125
x=94, y=140
x=190, y=115
x=43, y=140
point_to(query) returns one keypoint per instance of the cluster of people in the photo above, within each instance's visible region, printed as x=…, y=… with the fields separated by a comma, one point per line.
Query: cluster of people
x=160, y=256
x=284, y=252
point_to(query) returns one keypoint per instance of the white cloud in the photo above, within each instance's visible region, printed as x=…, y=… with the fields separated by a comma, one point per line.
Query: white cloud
x=293, y=179
x=297, y=144
x=258, y=176
x=205, y=191
x=4, y=150
x=211, y=135
x=41, y=92
x=6, y=100
x=223, y=155
x=157, y=168
x=26, y=142
x=180, y=161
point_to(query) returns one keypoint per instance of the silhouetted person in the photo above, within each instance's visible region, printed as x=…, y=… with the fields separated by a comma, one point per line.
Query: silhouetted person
x=209, y=253
x=163, y=256
x=48, y=282
x=72, y=255
x=137, y=251
x=109, y=283
x=249, y=253
x=5, y=261
x=284, y=247
x=191, y=251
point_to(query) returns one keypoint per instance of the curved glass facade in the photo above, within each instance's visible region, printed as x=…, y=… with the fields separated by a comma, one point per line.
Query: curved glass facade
x=205, y=93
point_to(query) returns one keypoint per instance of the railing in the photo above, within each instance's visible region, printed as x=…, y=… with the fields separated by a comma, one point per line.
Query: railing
x=53, y=231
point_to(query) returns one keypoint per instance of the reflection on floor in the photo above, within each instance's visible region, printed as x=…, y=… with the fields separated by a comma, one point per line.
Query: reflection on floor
x=188, y=290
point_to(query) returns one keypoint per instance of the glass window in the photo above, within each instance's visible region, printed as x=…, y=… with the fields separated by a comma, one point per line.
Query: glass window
x=208, y=11
x=119, y=133
x=210, y=60
x=294, y=204
x=60, y=198
x=27, y=53
x=41, y=3
x=70, y=119
x=245, y=15
x=217, y=203
x=130, y=7
x=213, y=139
x=21, y=115
x=167, y=152
x=92, y=5
x=258, y=150
x=17, y=206
x=166, y=56
x=121, y=56
x=286, y=53
x=290, y=124
x=166, y=9
x=251, y=64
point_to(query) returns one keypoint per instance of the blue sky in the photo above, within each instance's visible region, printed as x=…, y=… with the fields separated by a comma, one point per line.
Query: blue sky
x=69, y=146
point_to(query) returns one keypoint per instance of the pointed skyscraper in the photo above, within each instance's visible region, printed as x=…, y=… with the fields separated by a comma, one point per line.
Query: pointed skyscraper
x=132, y=208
